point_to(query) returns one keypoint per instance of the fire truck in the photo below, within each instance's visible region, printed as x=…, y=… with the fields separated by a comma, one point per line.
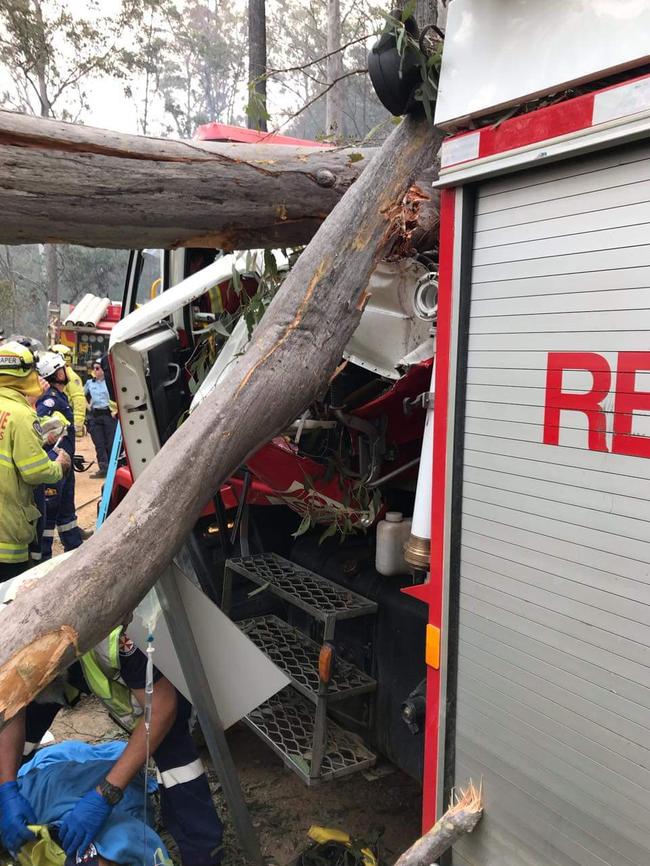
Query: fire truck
x=85, y=329
x=478, y=574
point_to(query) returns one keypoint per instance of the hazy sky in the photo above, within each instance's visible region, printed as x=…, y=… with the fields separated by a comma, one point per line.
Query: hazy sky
x=109, y=107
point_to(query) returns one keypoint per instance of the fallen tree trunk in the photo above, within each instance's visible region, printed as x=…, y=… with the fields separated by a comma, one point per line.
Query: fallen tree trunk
x=64, y=183
x=295, y=350
x=461, y=818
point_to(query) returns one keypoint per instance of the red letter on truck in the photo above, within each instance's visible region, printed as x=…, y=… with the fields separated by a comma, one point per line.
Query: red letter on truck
x=589, y=403
x=627, y=401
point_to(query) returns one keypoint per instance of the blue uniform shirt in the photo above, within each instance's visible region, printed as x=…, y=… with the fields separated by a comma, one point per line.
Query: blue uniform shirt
x=97, y=393
x=55, y=401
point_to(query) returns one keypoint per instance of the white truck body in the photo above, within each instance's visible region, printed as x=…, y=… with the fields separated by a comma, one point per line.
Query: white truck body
x=500, y=53
x=541, y=538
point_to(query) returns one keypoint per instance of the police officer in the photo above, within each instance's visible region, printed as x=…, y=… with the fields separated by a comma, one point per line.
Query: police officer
x=60, y=513
x=101, y=424
x=187, y=810
x=23, y=463
x=74, y=390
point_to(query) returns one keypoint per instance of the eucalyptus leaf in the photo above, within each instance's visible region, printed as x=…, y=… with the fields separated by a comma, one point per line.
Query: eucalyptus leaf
x=329, y=532
x=305, y=525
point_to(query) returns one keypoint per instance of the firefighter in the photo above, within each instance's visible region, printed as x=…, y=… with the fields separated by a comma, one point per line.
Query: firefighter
x=23, y=463
x=60, y=511
x=116, y=672
x=74, y=390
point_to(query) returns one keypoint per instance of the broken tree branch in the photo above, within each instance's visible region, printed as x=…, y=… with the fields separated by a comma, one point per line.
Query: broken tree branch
x=462, y=817
x=293, y=353
x=320, y=95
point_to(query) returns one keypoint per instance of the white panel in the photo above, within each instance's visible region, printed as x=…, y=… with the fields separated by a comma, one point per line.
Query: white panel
x=574, y=183
x=460, y=149
x=563, y=169
x=526, y=443
x=564, y=244
x=566, y=302
x=622, y=101
x=236, y=688
x=588, y=201
x=561, y=226
x=500, y=52
x=582, y=281
x=553, y=704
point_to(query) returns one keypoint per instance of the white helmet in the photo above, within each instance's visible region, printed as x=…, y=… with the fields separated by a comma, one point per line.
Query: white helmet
x=49, y=363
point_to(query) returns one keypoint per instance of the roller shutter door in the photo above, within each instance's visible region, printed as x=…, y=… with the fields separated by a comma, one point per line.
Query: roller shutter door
x=553, y=688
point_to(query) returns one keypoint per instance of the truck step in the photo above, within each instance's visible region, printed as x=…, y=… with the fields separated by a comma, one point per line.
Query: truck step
x=297, y=655
x=319, y=597
x=286, y=723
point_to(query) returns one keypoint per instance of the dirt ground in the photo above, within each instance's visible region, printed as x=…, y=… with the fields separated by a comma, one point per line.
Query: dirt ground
x=385, y=805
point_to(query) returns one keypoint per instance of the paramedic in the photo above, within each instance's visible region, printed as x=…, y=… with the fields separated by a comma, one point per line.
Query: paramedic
x=116, y=671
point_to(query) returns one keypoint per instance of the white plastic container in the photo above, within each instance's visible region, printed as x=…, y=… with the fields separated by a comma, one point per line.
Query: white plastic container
x=392, y=534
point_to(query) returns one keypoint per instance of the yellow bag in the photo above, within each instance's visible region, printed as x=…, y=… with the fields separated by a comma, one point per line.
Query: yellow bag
x=322, y=835
x=43, y=851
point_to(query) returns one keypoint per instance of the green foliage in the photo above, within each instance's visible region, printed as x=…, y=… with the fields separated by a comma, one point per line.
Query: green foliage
x=256, y=110
x=269, y=282
x=360, y=507
x=428, y=61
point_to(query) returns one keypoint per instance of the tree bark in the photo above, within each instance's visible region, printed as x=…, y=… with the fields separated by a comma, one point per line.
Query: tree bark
x=461, y=818
x=334, y=96
x=257, y=62
x=426, y=12
x=52, y=275
x=294, y=353
x=64, y=183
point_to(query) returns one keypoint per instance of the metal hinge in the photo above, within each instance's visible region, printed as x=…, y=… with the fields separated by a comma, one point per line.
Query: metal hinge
x=425, y=400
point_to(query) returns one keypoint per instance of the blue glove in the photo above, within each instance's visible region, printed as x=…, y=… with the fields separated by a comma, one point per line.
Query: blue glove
x=15, y=814
x=82, y=824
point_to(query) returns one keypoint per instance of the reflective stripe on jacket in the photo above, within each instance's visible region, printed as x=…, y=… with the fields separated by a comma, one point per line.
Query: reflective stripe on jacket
x=74, y=391
x=23, y=466
x=101, y=667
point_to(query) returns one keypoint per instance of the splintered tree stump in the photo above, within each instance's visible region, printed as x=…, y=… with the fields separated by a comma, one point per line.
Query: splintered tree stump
x=461, y=818
x=293, y=353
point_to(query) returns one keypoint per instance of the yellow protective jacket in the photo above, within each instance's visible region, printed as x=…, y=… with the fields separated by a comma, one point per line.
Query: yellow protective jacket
x=101, y=667
x=23, y=466
x=74, y=391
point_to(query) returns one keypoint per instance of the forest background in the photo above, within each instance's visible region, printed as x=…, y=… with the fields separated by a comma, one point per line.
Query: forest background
x=163, y=68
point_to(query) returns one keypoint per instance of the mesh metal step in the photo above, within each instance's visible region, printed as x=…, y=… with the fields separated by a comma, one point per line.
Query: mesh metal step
x=321, y=598
x=286, y=723
x=297, y=655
